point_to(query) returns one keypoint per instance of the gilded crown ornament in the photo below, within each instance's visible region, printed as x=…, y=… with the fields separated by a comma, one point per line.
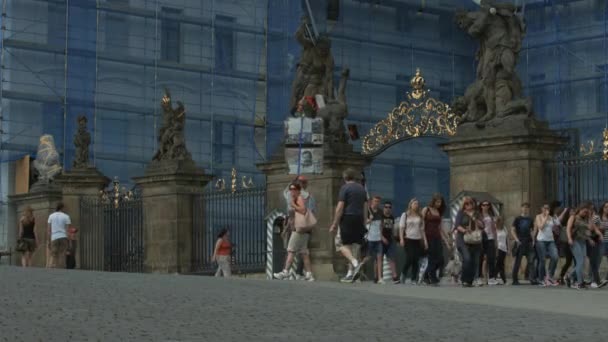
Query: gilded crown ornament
x=420, y=115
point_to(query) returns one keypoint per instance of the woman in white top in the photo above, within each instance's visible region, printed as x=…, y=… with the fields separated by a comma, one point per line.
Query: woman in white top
x=544, y=225
x=412, y=238
x=501, y=241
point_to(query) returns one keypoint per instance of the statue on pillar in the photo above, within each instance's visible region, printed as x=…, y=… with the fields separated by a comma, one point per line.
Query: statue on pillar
x=497, y=90
x=314, y=72
x=82, y=140
x=334, y=113
x=47, y=164
x=171, y=139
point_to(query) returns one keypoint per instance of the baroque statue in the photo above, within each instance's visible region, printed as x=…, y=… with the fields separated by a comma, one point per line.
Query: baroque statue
x=314, y=71
x=47, y=163
x=82, y=140
x=314, y=78
x=497, y=90
x=171, y=139
x=334, y=113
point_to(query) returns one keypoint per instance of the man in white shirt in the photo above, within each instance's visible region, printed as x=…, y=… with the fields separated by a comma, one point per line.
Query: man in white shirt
x=57, y=236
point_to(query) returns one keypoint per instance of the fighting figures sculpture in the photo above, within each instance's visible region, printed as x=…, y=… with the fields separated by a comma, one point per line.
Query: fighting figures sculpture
x=47, y=164
x=314, y=77
x=171, y=139
x=314, y=72
x=82, y=140
x=496, y=92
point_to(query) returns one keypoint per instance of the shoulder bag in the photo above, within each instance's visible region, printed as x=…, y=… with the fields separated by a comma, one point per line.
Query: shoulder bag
x=304, y=223
x=473, y=236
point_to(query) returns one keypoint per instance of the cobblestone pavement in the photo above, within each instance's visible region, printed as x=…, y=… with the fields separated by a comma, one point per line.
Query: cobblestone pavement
x=58, y=305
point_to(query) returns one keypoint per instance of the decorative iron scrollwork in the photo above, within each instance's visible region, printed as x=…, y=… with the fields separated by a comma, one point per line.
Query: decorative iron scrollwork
x=116, y=194
x=421, y=115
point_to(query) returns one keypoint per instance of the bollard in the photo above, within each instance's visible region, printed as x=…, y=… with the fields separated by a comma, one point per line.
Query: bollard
x=387, y=275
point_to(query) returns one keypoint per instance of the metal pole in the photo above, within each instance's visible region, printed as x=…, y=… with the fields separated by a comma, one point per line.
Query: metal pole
x=312, y=19
x=96, y=84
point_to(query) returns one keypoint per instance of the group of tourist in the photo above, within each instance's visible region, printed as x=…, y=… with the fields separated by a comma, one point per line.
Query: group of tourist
x=366, y=232
x=60, y=242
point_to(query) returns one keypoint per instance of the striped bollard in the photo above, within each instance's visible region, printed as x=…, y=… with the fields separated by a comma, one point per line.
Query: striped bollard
x=387, y=276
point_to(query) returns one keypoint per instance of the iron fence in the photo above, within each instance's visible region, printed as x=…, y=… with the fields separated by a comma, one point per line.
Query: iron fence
x=577, y=179
x=242, y=212
x=111, y=236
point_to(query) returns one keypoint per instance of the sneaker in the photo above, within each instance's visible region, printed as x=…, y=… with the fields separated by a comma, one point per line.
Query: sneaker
x=357, y=269
x=568, y=281
x=282, y=275
x=551, y=282
x=594, y=285
x=309, y=277
x=478, y=283
x=347, y=279
x=300, y=277
x=515, y=283
x=396, y=280
x=579, y=286
x=380, y=282
x=603, y=283
x=492, y=282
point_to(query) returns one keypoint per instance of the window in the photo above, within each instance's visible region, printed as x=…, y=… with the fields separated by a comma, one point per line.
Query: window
x=224, y=143
x=402, y=22
x=224, y=43
x=116, y=30
x=56, y=26
x=170, y=41
x=403, y=87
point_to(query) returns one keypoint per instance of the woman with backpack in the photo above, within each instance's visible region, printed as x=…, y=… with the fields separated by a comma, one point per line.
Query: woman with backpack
x=412, y=238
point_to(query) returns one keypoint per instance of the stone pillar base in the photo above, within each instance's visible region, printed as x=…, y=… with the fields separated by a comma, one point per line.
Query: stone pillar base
x=506, y=161
x=167, y=193
x=75, y=184
x=324, y=187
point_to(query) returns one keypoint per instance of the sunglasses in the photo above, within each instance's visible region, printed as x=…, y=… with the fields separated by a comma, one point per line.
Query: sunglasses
x=388, y=207
x=485, y=205
x=293, y=189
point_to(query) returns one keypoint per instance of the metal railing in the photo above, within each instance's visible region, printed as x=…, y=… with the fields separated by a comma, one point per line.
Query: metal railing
x=111, y=236
x=242, y=212
x=577, y=179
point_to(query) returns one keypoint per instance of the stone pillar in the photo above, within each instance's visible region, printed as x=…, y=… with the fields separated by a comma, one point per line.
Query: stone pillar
x=324, y=187
x=168, y=189
x=506, y=161
x=76, y=184
x=43, y=202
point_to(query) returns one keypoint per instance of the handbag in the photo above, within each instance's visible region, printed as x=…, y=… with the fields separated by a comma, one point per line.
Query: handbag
x=473, y=237
x=21, y=245
x=304, y=223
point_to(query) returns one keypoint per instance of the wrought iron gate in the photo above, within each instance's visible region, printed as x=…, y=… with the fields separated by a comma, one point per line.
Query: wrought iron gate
x=242, y=212
x=572, y=180
x=111, y=235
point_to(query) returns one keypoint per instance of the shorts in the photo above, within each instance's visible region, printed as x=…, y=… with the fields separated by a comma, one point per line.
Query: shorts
x=59, y=247
x=374, y=248
x=30, y=245
x=389, y=250
x=352, y=230
x=298, y=243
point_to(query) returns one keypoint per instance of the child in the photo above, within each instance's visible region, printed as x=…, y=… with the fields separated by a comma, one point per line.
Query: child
x=501, y=239
x=70, y=253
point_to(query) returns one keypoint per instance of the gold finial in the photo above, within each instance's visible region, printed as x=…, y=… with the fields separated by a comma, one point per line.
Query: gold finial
x=220, y=185
x=417, y=84
x=233, y=179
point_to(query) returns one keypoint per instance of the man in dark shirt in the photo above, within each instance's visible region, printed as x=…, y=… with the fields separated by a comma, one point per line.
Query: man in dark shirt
x=350, y=215
x=521, y=231
x=388, y=242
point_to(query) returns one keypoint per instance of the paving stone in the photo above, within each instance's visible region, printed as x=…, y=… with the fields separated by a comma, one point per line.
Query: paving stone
x=61, y=305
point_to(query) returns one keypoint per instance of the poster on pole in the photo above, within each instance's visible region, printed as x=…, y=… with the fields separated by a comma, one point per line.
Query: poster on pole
x=310, y=160
x=309, y=130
